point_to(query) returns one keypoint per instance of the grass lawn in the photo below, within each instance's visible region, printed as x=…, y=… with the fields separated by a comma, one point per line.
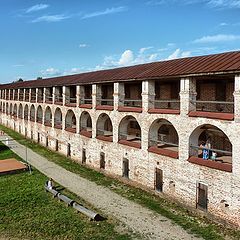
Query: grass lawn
x=28, y=212
x=194, y=224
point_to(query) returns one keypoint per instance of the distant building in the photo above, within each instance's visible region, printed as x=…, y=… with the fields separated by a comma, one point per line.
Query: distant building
x=150, y=123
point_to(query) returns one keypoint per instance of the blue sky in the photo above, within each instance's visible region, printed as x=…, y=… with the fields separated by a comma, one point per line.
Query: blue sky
x=52, y=38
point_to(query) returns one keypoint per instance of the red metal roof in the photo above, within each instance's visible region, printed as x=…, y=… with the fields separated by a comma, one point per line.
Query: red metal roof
x=222, y=63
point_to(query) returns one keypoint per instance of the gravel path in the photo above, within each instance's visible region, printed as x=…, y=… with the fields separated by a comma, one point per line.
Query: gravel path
x=140, y=220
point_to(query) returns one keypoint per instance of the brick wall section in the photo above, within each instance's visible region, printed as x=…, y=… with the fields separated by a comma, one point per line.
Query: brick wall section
x=223, y=186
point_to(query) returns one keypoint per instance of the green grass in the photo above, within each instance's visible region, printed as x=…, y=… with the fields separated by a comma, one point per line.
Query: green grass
x=28, y=212
x=198, y=225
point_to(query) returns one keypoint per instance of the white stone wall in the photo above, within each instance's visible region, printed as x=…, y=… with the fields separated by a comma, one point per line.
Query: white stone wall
x=180, y=177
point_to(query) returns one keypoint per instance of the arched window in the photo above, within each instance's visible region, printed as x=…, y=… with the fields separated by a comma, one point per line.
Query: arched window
x=7, y=109
x=26, y=112
x=86, y=124
x=32, y=113
x=48, y=117
x=15, y=110
x=104, y=128
x=163, y=138
x=20, y=111
x=70, y=121
x=11, y=109
x=4, y=109
x=130, y=132
x=210, y=146
x=58, y=118
x=39, y=114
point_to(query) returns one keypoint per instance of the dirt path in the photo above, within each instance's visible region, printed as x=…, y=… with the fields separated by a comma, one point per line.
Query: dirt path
x=137, y=218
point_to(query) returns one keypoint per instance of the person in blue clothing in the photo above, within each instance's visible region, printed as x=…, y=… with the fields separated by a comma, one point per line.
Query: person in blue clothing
x=205, y=151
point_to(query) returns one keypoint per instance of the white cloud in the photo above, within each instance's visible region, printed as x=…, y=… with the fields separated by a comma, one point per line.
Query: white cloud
x=37, y=7
x=126, y=58
x=217, y=38
x=51, y=18
x=144, y=49
x=155, y=2
x=223, y=24
x=74, y=70
x=224, y=3
x=178, y=54
x=220, y=4
x=18, y=65
x=83, y=45
x=105, y=12
x=50, y=72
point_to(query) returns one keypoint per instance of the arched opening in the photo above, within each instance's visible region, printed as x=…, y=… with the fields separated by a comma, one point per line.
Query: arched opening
x=32, y=113
x=39, y=114
x=7, y=109
x=58, y=118
x=163, y=138
x=48, y=117
x=15, y=111
x=104, y=128
x=1, y=107
x=130, y=132
x=11, y=109
x=209, y=146
x=86, y=124
x=26, y=112
x=70, y=122
x=20, y=111
x=4, y=110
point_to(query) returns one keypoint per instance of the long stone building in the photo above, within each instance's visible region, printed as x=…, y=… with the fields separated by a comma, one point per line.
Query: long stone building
x=172, y=126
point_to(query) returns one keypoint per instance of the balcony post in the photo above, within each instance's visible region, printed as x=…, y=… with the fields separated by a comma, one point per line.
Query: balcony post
x=187, y=96
x=77, y=96
x=98, y=94
x=54, y=95
x=118, y=95
x=24, y=94
x=148, y=95
x=94, y=96
x=37, y=92
x=64, y=92
x=44, y=94
x=81, y=94
x=30, y=95
x=236, y=95
x=18, y=94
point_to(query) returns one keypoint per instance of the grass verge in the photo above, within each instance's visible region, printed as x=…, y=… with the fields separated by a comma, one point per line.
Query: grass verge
x=197, y=225
x=28, y=212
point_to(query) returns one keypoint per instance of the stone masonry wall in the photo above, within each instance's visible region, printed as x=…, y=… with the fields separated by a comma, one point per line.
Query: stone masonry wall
x=222, y=186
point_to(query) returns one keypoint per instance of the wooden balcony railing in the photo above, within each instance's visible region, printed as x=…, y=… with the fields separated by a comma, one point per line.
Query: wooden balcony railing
x=133, y=103
x=214, y=106
x=86, y=101
x=105, y=135
x=215, y=158
x=130, y=140
x=86, y=131
x=163, y=148
x=49, y=99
